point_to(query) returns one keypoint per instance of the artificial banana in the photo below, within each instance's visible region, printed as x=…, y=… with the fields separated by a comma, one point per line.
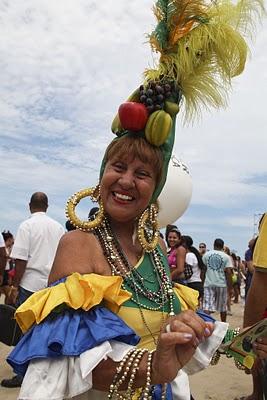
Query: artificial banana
x=135, y=96
x=158, y=127
x=116, y=125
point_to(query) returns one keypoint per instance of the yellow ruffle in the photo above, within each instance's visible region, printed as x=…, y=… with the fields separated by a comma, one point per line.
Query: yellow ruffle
x=78, y=291
x=188, y=297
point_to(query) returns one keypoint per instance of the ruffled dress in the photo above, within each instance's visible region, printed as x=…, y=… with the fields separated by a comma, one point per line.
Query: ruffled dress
x=77, y=322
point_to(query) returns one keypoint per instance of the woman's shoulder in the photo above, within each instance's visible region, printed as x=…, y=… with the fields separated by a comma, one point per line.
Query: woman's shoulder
x=78, y=236
x=78, y=251
x=180, y=250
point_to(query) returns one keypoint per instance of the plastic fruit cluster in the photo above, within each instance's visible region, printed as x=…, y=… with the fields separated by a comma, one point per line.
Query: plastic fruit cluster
x=151, y=108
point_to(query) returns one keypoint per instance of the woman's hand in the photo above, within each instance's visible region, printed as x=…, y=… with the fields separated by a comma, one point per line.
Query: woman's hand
x=177, y=344
x=260, y=348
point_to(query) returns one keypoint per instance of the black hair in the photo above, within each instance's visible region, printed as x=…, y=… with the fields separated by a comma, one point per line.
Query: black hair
x=69, y=226
x=39, y=200
x=7, y=235
x=218, y=243
x=92, y=212
x=188, y=242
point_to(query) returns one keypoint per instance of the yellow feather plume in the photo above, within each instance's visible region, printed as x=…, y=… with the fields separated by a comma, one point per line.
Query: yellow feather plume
x=205, y=49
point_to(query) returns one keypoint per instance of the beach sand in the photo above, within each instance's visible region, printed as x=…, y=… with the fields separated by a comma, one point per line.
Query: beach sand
x=221, y=382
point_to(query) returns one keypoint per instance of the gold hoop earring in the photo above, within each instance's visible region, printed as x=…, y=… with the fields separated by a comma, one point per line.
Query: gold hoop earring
x=148, y=228
x=72, y=202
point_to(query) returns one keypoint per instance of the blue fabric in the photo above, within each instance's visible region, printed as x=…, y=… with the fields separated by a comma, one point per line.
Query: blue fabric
x=22, y=296
x=157, y=392
x=69, y=333
x=205, y=317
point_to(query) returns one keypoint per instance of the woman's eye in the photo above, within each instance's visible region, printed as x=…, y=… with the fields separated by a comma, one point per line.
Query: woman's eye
x=118, y=167
x=142, y=174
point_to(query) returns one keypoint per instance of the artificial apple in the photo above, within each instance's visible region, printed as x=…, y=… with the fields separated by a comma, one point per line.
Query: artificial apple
x=133, y=116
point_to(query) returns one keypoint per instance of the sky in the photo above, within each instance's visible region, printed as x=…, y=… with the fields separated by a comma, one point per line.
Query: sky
x=66, y=66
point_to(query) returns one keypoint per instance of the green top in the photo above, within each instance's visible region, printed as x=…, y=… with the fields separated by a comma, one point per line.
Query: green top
x=146, y=271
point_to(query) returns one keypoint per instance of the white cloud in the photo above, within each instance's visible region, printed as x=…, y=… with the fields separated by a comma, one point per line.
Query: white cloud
x=66, y=66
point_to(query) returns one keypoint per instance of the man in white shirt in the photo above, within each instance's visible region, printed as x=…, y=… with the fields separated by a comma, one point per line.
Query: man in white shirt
x=2, y=258
x=34, y=251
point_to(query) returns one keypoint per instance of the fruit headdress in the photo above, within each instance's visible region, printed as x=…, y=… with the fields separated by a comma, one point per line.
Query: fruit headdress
x=201, y=47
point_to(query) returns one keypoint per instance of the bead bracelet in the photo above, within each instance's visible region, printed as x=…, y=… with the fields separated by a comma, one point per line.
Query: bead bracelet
x=129, y=366
x=230, y=335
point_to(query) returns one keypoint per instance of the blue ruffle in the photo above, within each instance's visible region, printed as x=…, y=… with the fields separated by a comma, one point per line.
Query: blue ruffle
x=157, y=392
x=69, y=333
x=205, y=317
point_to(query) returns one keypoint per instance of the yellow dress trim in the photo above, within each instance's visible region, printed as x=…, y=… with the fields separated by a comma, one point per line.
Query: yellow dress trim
x=78, y=291
x=188, y=297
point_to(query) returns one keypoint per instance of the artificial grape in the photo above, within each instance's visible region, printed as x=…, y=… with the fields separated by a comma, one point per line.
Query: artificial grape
x=150, y=109
x=160, y=98
x=143, y=98
x=149, y=101
x=149, y=92
x=159, y=89
x=142, y=93
x=141, y=87
x=167, y=87
x=158, y=107
x=168, y=94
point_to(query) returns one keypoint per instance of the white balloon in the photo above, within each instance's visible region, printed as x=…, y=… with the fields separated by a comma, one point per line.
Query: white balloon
x=176, y=194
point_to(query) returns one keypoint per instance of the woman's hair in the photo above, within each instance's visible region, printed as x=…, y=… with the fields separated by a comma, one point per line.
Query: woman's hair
x=7, y=235
x=187, y=241
x=178, y=233
x=136, y=147
x=227, y=250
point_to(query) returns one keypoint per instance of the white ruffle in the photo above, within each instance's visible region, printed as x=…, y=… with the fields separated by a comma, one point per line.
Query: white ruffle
x=71, y=377
x=67, y=377
x=206, y=349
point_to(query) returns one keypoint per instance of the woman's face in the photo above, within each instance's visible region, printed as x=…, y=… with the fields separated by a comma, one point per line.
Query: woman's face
x=126, y=188
x=9, y=242
x=173, y=239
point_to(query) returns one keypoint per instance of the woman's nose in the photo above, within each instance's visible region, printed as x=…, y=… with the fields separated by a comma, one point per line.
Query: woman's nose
x=127, y=180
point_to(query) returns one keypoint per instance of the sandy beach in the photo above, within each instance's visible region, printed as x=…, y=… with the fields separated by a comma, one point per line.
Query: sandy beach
x=221, y=382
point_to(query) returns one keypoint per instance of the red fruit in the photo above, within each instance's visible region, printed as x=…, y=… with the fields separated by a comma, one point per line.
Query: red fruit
x=133, y=116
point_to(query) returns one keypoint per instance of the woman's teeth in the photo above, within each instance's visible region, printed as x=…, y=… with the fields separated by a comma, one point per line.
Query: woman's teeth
x=123, y=196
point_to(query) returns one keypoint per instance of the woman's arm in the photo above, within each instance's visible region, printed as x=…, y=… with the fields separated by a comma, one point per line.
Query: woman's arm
x=180, y=262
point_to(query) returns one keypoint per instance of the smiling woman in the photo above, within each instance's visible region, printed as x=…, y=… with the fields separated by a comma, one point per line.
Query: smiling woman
x=112, y=323
x=133, y=168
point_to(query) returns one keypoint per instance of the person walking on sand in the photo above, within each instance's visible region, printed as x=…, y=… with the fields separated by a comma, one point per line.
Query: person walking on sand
x=217, y=279
x=34, y=251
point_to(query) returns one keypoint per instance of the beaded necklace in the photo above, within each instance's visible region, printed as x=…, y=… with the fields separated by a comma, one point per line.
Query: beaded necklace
x=120, y=265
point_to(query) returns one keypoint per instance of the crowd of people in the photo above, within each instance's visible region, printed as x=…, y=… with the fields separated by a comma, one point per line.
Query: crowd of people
x=219, y=276
x=199, y=269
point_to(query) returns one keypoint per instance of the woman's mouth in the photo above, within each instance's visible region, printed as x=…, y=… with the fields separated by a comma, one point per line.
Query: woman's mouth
x=122, y=197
